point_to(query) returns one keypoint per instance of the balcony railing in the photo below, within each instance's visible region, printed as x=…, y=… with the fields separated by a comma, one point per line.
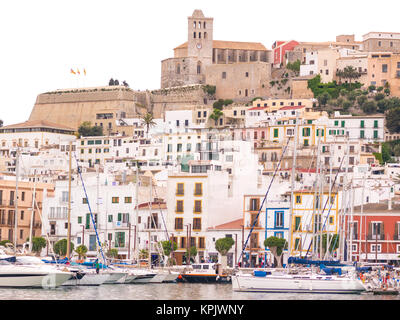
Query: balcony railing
x=152, y=226
x=376, y=237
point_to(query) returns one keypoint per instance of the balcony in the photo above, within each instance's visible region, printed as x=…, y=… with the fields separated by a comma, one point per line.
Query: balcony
x=154, y=226
x=120, y=224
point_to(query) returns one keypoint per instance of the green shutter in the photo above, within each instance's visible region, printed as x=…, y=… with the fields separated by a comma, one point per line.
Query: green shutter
x=375, y=134
x=362, y=124
x=119, y=216
x=87, y=221
x=343, y=124
x=336, y=122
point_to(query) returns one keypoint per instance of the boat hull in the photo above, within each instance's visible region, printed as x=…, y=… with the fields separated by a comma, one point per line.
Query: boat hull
x=203, y=278
x=287, y=283
x=25, y=278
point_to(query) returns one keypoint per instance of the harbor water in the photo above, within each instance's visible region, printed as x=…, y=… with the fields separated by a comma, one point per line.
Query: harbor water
x=169, y=291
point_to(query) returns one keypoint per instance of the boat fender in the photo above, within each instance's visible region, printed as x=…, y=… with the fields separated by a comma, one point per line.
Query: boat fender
x=217, y=278
x=228, y=278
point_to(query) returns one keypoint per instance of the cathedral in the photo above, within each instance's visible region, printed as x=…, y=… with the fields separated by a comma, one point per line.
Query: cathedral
x=237, y=69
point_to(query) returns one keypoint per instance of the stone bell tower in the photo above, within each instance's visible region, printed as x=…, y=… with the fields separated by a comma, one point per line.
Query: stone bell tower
x=200, y=44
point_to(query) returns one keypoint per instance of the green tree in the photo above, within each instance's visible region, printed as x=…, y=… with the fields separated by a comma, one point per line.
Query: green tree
x=112, y=253
x=361, y=100
x=295, y=66
x=210, y=90
x=87, y=130
x=216, y=114
x=60, y=247
x=347, y=105
x=371, y=88
x=379, y=96
x=38, y=243
x=223, y=245
x=369, y=107
x=276, y=245
x=333, y=240
x=81, y=251
x=323, y=98
x=168, y=247
x=351, y=73
x=193, y=254
x=148, y=121
x=393, y=120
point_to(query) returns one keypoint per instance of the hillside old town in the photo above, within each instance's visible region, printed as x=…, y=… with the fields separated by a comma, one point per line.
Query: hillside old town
x=240, y=141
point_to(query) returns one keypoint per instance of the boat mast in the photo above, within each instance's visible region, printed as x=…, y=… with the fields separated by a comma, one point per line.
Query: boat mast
x=16, y=199
x=137, y=213
x=344, y=212
x=313, y=217
x=350, y=251
x=32, y=213
x=292, y=184
x=69, y=202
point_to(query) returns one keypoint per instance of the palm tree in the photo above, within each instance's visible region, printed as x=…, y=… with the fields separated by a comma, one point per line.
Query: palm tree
x=81, y=251
x=148, y=121
x=350, y=73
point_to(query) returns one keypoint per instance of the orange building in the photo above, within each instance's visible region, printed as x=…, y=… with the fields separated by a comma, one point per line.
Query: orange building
x=24, y=210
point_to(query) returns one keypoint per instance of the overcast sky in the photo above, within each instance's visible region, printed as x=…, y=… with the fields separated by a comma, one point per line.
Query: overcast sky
x=42, y=40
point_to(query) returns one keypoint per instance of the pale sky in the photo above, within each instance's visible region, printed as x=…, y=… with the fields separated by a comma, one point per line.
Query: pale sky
x=42, y=40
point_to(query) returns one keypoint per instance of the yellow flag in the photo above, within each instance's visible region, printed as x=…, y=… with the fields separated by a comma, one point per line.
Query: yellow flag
x=84, y=71
x=72, y=71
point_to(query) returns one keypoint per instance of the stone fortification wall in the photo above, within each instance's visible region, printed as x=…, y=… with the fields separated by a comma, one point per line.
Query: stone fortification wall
x=74, y=106
x=176, y=98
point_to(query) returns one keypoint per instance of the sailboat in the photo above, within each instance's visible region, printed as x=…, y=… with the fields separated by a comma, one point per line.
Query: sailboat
x=291, y=280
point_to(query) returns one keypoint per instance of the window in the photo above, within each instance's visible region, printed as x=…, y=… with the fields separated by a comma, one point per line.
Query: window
x=128, y=199
x=298, y=199
x=180, y=189
x=197, y=206
x=384, y=68
x=376, y=248
x=376, y=134
x=84, y=200
x=178, y=223
x=362, y=134
x=202, y=243
x=297, y=244
x=169, y=148
x=179, y=206
x=120, y=239
x=198, y=189
x=115, y=200
x=276, y=133
x=79, y=220
x=297, y=223
x=375, y=123
x=224, y=75
x=183, y=242
x=254, y=204
x=110, y=218
x=279, y=219
x=247, y=74
x=196, y=223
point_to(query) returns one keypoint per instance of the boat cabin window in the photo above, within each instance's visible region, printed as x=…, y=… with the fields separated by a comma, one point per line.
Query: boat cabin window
x=205, y=267
x=196, y=266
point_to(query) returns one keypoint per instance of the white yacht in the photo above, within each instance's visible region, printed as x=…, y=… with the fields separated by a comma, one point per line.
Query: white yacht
x=263, y=281
x=21, y=275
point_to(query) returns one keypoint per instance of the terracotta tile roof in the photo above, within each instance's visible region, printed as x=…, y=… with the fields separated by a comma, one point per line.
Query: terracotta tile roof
x=38, y=124
x=219, y=44
x=154, y=205
x=235, y=224
x=257, y=108
x=291, y=107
